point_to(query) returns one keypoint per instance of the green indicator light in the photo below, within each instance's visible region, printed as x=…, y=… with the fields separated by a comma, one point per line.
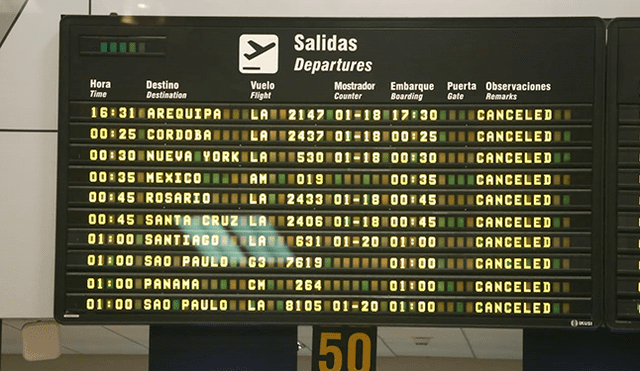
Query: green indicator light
x=282, y=179
x=443, y=115
x=556, y=308
x=451, y=179
x=556, y=157
x=123, y=47
x=460, y=222
x=337, y=179
x=329, y=114
x=198, y=156
x=142, y=47
x=113, y=47
x=451, y=222
x=461, y=115
x=385, y=157
x=327, y=262
x=440, y=286
x=216, y=178
x=132, y=47
x=470, y=180
x=459, y=307
x=461, y=179
x=567, y=157
x=556, y=222
x=365, y=285
x=280, y=305
x=223, y=284
x=556, y=263
x=271, y=285
x=225, y=178
x=414, y=114
x=206, y=177
x=451, y=286
x=141, y=133
x=566, y=200
x=139, y=239
x=138, y=304
x=176, y=304
x=441, y=263
x=272, y=198
x=385, y=114
x=104, y=47
x=567, y=136
x=366, y=179
x=443, y=136
x=441, y=222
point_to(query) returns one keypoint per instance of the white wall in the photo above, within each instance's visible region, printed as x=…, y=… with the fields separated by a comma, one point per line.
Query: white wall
x=373, y=8
x=28, y=121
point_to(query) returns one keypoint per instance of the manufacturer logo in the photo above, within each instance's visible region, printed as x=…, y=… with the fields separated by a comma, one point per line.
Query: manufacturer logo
x=258, y=54
x=576, y=323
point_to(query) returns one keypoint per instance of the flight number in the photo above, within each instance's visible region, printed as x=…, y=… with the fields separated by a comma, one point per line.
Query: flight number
x=304, y=262
x=308, y=221
x=308, y=285
x=305, y=135
x=305, y=199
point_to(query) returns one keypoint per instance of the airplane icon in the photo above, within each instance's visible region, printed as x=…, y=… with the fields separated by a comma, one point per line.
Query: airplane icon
x=259, y=49
x=258, y=53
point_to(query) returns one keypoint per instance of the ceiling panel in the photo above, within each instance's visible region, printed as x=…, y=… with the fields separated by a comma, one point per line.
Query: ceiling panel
x=137, y=334
x=495, y=343
x=98, y=340
x=392, y=341
x=444, y=342
x=384, y=350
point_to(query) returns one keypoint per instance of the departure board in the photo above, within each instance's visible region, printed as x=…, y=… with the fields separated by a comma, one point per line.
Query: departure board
x=622, y=287
x=372, y=171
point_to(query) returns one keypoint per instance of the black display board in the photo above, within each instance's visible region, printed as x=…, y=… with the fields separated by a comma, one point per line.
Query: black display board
x=307, y=171
x=622, y=288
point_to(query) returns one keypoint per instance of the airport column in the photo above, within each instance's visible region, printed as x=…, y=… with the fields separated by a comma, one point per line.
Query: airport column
x=224, y=347
x=561, y=350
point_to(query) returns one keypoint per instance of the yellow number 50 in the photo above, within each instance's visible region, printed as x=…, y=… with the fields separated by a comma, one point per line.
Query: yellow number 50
x=352, y=348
